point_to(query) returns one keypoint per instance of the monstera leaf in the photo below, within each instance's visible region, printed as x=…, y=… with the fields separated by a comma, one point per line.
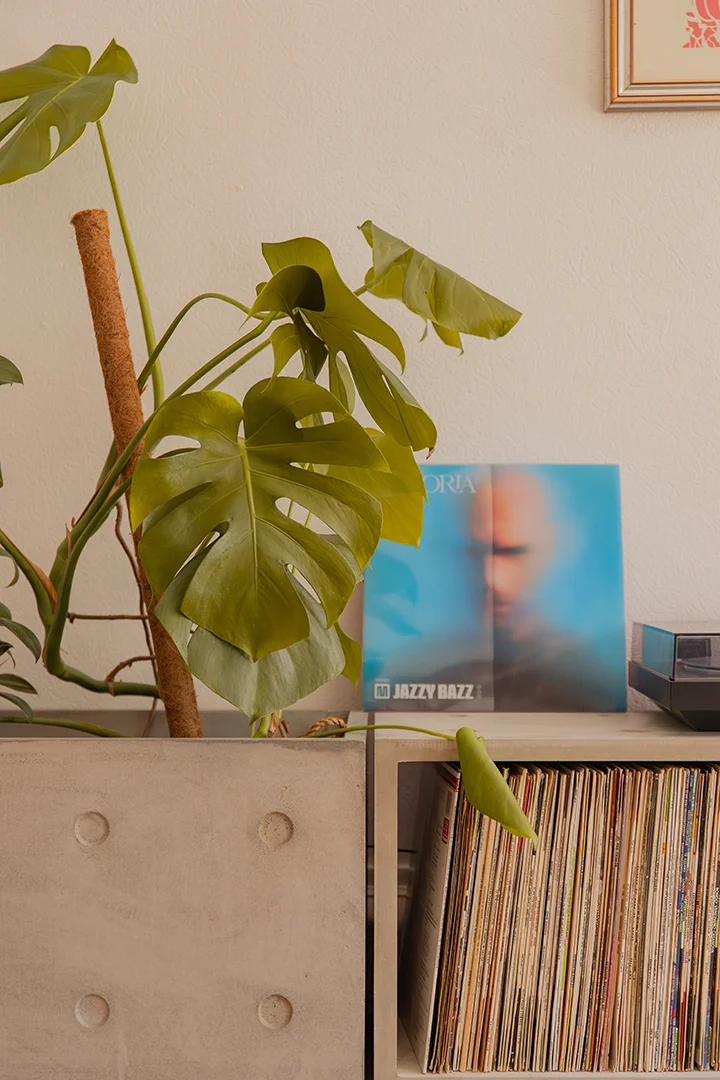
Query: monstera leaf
x=485, y=786
x=307, y=286
x=453, y=305
x=9, y=374
x=400, y=492
x=10, y=684
x=294, y=337
x=276, y=680
x=61, y=91
x=23, y=633
x=229, y=487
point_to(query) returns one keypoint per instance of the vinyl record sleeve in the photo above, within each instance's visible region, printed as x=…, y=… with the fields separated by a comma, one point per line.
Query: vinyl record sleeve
x=513, y=601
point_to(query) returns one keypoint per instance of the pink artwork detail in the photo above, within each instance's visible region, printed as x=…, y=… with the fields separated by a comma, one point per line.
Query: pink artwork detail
x=702, y=25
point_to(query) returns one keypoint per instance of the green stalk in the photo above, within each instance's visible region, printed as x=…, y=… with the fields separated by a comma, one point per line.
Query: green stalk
x=261, y=731
x=52, y=657
x=97, y=504
x=378, y=727
x=237, y=365
x=74, y=725
x=42, y=599
x=154, y=355
x=90, y=521
x=61, y=554
x=148, y=328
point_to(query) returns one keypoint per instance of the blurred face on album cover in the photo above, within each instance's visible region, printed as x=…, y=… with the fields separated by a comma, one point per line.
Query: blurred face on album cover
x=513, y=601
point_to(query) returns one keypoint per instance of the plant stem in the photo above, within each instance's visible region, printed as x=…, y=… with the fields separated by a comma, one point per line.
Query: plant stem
x=263, y=728
x=148, y=328
x=53, y=660
x=74, y=725
x=238, y=364
x=42, y=597
x=97, y=505
x=378, y=727
x=154, y=355
x=97, y=511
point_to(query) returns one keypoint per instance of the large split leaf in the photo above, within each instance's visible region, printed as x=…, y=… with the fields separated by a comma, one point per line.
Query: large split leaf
x=400, y=492
x=452, y=304
x=307, y=286
x=485, y=786
x=229, y=487
x=61, y=91
x=276, y=680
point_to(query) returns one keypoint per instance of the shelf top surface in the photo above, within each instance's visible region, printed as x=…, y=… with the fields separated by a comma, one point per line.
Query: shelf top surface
x=650, y=735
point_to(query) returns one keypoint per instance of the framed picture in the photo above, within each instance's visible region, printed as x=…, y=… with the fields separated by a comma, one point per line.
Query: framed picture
x=663, y=54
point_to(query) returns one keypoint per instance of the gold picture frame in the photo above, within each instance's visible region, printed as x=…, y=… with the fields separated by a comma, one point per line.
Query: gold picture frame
x=662, y=54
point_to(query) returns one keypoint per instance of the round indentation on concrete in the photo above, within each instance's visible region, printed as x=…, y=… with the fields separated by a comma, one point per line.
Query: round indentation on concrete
x=275, y=1012
x=276, y=829
x=92, y=829
x=92, y=1011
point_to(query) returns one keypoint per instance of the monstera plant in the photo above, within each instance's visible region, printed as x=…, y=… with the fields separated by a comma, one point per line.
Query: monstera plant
x=252, y=521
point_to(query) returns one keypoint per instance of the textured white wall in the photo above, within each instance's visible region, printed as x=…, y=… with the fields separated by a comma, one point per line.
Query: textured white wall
x=474, y=130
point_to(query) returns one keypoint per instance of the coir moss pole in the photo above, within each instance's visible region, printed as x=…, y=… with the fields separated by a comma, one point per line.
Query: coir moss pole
x=113, y=342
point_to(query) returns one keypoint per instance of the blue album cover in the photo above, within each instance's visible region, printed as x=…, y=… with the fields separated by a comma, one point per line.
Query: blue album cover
x=513, y=600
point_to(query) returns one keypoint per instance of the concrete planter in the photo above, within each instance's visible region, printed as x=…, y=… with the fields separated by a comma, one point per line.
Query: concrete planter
x=189, y=910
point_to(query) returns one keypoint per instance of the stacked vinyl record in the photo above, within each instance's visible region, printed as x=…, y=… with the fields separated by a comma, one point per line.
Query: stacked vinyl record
x=597, y=952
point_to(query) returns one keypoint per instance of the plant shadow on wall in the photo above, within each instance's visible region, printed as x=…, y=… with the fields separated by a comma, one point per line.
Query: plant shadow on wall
x=249, y=538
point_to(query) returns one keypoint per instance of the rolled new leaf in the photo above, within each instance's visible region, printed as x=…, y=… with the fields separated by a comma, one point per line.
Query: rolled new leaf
x=486, y=789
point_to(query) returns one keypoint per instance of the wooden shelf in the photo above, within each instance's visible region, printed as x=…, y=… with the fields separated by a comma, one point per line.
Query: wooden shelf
x=510, y=737
x=635, y=736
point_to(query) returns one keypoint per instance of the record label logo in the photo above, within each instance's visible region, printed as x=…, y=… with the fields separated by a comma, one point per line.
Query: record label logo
x=382, y=691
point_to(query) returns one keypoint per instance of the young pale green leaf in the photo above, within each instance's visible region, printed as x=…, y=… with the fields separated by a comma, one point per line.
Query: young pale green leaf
x=274, y=682
x=307, y=286
x=230, y=487
x=61, y=91
x=9, y=374
x=485, y=787
x=19, y=702
x=451, y=303
x=16, y=682
x=400, y=492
